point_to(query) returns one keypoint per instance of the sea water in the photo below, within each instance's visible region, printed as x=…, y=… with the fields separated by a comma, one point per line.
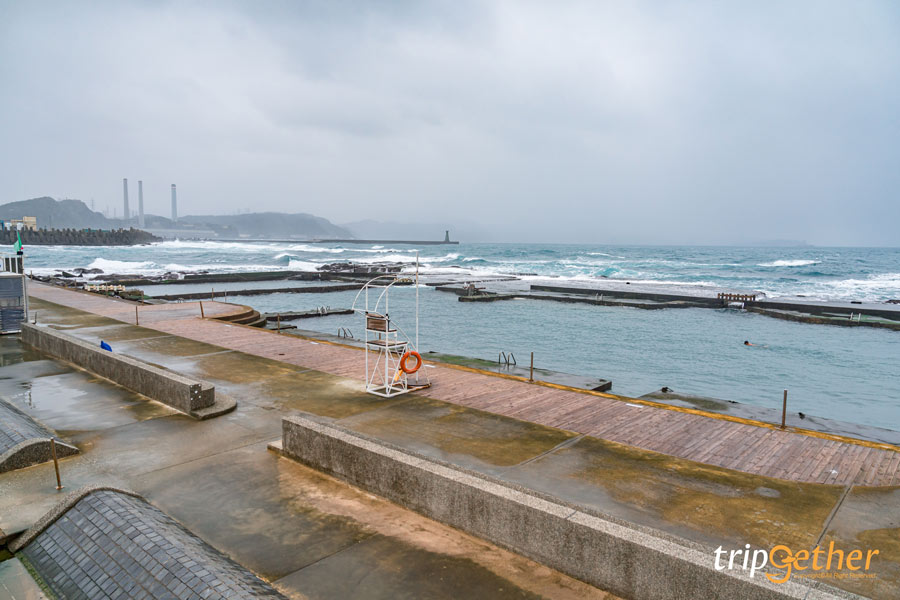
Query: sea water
x=848, y=374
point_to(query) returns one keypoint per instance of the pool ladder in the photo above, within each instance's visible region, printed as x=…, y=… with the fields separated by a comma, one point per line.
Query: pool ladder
x=506, y=359
x=343, y=332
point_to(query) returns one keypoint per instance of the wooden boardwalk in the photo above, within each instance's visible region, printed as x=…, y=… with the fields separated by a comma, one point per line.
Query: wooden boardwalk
x=739, y=445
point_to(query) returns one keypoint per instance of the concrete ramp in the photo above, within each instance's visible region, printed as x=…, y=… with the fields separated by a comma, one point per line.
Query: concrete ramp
x=24, y=441
x=107, y=543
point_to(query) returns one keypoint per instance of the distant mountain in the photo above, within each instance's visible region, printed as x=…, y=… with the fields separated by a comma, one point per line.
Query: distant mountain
x=64, y=214
x=274, y=225
x=56, y=214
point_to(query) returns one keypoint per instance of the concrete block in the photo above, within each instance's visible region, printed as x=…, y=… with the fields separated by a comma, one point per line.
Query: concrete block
x=627, y=560
x=191, y=396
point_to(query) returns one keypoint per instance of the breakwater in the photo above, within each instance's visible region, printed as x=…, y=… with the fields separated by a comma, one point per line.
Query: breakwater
x=290, y=290
x=845, y=309
x=79, y=237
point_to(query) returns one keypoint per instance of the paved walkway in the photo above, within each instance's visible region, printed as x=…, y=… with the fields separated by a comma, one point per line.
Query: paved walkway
x=713, y=439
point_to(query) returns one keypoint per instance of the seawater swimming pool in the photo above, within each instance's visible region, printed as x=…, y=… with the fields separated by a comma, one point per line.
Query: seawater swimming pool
x=847, y=374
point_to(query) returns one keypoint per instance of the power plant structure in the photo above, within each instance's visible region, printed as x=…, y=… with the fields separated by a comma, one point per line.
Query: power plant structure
x=140, y=203
x=140, y=221
x=126, y=214
x=174, y=205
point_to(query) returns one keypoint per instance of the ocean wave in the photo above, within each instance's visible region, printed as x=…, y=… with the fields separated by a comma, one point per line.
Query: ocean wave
x=316, y=249
x=177, y=267
x=213, y=245
x=122, y=266
x=874, y=288
x=302, y=265
x=404, y=258
x=789, y=263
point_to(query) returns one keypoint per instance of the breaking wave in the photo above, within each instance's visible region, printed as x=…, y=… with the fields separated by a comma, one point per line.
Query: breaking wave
x=789, y=263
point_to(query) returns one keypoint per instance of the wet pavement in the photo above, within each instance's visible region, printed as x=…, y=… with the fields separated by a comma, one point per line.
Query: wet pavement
x=771, y=415
x=16, y=583
x=289, y=524
x=299, y=528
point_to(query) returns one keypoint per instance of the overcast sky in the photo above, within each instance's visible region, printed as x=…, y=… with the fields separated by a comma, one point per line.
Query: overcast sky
x=620, y=122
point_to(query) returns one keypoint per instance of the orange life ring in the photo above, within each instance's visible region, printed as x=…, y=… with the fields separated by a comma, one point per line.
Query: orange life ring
x=406, y=357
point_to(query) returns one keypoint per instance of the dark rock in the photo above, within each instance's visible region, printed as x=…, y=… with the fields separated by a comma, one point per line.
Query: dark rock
x=376, y=268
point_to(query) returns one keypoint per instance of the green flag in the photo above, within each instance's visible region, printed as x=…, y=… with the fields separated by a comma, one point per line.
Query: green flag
x=18, y=244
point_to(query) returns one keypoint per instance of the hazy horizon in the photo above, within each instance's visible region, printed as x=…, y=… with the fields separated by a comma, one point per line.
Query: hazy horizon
x=573, y=122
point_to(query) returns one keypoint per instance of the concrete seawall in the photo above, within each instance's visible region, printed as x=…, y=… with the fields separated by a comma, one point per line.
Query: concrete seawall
x=79, y=237
x=631, y=562
x=196, y=398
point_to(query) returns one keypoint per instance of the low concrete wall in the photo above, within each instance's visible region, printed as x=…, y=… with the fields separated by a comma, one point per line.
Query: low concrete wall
x=33, y=452
x=630, y=562
x=182, y=393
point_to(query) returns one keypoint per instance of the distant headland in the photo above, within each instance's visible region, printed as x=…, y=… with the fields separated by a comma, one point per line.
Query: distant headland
x=46, y=214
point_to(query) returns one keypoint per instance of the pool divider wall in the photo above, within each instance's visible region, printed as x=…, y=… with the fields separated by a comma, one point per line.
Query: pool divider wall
x=631, y=562
x=191, y=396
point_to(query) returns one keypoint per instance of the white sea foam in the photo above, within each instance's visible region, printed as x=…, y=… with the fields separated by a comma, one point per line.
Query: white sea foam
x=789, y=263
x=122, y=266
x=315, y=249
x=405, y=258
x=302, y=265
x=213, y=245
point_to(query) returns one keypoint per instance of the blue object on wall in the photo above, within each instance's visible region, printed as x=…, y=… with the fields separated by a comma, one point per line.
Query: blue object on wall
x=105, y=346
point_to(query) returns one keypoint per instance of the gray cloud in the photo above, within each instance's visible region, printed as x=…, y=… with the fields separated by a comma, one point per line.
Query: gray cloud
x=637, y=122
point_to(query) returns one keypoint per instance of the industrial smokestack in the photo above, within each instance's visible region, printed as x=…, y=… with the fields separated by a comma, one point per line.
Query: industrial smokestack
x=140, y=203
x=174, y=205
x=125, y=187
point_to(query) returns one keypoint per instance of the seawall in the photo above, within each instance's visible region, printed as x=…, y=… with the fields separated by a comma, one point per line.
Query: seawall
x=79, y=237
x=631, y=562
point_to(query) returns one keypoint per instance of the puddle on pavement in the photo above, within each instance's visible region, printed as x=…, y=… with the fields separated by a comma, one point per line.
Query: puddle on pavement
x=465, y=436
x=697, y=501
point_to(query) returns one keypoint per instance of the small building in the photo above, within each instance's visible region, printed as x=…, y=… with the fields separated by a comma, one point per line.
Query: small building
x=23, y=224
x=13, y=297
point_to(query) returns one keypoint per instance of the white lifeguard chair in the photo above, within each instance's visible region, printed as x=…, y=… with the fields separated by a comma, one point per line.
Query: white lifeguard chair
x=388, y=349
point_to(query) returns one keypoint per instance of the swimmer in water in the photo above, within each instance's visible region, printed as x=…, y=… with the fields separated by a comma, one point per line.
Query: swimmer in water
x=747, y=343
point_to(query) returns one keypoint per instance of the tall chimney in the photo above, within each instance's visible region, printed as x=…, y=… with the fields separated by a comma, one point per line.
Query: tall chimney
x=125, y=187
x=140, y=203
x=174, y=205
